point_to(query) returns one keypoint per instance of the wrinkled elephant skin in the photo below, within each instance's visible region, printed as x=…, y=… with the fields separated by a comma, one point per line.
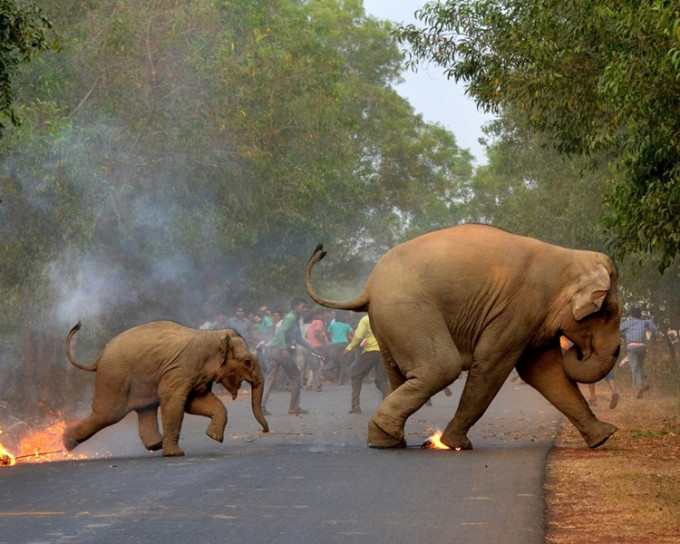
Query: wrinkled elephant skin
x=477, y=298
x=164, y=364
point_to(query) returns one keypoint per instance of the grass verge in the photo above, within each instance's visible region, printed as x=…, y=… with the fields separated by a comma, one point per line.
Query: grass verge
x=627, y=491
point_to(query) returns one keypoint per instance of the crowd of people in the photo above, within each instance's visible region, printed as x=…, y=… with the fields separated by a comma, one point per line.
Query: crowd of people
x=308, y=348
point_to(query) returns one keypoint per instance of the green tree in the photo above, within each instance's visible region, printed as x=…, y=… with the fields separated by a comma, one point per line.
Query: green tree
x=593, y=78
x=180, y=158
x=529, y=188
x=23, y=33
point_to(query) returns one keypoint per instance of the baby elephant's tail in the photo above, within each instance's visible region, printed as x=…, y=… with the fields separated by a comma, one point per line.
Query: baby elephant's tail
x=71, y=334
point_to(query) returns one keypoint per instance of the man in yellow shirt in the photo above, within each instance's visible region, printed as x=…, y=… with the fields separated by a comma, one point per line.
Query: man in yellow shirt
x=370, y=358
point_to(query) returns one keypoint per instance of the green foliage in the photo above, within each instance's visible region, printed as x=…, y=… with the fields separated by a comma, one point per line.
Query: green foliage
x=593, y=78
x=178, y=159
x=23, y=33
x=529, y=188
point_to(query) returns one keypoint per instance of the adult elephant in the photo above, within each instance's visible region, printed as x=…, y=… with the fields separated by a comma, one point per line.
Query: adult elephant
x=477, y=298
x=168, y=365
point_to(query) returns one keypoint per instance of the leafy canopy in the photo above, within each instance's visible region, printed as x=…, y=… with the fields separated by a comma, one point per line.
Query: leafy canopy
x=593, y=77
x=191, y=154
x=23, y=33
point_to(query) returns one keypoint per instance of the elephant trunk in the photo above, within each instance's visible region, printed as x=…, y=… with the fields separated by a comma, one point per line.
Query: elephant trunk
x=257, y=386
x=588, y=369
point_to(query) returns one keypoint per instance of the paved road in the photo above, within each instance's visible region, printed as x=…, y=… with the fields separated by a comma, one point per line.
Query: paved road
x=312, y=479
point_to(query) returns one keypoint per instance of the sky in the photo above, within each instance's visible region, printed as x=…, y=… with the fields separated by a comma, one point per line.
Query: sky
x=433, y=96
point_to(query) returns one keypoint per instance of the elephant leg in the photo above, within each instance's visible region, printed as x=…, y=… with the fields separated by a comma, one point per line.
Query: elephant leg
x=394, y=376
x=209, y=405
x=148, y=428
x=172, y=412
x=544, y=372
x=87, y=427
x=420, y=358
x=480, y=389
x=386, y=426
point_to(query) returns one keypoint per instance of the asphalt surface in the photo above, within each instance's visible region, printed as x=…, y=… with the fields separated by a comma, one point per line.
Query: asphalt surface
x=312, y=479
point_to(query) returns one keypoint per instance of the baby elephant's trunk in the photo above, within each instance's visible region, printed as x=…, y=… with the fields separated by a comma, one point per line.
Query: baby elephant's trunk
x=256, y=399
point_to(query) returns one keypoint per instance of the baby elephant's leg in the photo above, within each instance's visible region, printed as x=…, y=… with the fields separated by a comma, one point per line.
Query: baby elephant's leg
x=87, y=427
x=173, y=404
x=148, y=428
x=209, y=405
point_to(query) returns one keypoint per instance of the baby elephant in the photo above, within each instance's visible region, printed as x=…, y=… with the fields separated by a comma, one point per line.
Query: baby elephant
x=168, y=365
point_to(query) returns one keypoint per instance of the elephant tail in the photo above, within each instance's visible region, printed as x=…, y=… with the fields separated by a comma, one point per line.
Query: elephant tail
x=356, y=304
x=71, y=334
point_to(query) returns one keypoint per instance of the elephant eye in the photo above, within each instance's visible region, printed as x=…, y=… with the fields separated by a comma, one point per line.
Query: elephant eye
x=609, y=313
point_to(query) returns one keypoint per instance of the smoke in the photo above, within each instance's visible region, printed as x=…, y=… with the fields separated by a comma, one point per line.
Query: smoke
x=117, y=231
x=86, y=290
x=123, y=206
x=172, y=270
x=129, y=284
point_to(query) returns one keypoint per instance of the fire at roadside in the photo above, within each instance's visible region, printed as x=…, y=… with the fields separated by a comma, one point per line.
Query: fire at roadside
x=38, y=446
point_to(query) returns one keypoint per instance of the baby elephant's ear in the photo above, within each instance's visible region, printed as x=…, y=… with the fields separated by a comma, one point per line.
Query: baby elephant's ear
x=225, y=346
x=591, y=292
x=231, y=338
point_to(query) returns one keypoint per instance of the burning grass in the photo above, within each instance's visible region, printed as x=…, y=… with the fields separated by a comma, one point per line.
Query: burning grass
x=628, y=490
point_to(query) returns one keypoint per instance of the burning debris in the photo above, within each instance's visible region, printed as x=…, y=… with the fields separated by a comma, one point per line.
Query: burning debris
x=434, y=442
x=38, y=446
x=6, y=458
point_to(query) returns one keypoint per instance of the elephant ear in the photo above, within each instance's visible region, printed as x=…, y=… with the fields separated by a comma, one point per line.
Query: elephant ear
x=591, y=292
x=225, y=348
x=230, y=342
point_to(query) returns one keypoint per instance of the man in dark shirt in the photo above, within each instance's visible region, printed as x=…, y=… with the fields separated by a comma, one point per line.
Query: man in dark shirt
x=635, y=333
x=287, y=335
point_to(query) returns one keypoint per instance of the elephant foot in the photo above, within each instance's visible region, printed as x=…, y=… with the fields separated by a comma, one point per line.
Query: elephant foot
x=172, y=451
x=215, y=432
x=69, y=442
x=378, y=438
x=600, y=434
x=154, y=446
x=456, y=441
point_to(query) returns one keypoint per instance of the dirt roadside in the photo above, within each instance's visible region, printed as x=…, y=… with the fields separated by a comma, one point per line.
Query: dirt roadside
x=627, y=491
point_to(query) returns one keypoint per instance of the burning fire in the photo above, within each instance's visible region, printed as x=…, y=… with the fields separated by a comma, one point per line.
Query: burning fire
x=434, y=441
x=38, y=446
x=6, y=458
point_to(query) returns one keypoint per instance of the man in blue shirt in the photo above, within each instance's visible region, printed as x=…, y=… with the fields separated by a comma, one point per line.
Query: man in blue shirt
x=340, y=332
x=635, y=333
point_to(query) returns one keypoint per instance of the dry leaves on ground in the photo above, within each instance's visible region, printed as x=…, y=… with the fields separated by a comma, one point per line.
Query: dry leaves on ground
x=627, y=491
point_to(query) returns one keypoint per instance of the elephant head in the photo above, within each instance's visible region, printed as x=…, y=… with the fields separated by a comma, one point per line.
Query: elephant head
x=592, y=324
x=240, y=364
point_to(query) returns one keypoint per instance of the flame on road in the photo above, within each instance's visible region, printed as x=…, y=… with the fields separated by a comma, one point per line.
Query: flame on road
x=6, y=457
x=38, y=446
x=434, y=442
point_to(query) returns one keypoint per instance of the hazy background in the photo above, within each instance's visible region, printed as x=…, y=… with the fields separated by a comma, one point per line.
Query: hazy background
x=177, y=160
x=436, y=98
